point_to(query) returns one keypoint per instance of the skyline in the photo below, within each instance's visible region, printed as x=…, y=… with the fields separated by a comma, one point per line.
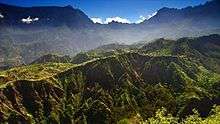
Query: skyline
x=104, y=11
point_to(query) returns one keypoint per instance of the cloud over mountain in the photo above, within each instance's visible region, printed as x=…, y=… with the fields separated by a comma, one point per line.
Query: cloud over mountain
x=66, y=30
x=29, y=20
x=97, y=20
x=141, y=19
x=121, y=20
x=1, y=16
x=151, y=15
x=110, y=19
x=117, y=19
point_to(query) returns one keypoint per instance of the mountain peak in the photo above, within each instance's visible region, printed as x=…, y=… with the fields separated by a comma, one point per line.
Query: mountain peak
x=46, y=16
x=166, y=9
x=68, y=6
x=168, y=15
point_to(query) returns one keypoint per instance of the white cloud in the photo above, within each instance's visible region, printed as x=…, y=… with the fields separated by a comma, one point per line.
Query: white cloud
x=122, y=20
x=35, y=19
x=110, y=19
x=29, y=20
x=116, y=19
x=97, y=20
x=141, y=19
x=151, y=15
x=1, y=16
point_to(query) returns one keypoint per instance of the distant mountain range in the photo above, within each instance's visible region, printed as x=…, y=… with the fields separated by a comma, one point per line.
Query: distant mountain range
x=27, y=33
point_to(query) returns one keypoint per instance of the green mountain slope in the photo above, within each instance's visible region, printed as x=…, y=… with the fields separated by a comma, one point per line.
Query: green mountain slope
x=203, y=49
x=121, y=87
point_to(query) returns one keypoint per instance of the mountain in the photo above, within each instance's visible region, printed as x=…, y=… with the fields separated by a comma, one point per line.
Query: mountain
x=129, y=85
x=197, y=15
x=205, y=49
x=52, y=58
x=43, y=16
x=37, y=31
x=185, y=22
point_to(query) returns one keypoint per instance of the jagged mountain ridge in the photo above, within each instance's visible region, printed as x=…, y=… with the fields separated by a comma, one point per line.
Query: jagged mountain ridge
x=52, y=58
x=104, y=79
x=47, y=16
x=205, y=49
x=65, y=30
x=200, y=12
x=108, y=89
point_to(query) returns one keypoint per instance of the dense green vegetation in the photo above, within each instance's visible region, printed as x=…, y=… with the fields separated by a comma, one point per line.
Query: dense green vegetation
x=164, y=82
x=33, y=72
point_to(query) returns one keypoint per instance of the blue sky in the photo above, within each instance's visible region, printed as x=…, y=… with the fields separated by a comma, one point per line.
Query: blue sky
x=105, y=11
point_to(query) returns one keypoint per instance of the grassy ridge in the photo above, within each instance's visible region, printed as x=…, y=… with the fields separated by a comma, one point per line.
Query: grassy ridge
x=125, y=86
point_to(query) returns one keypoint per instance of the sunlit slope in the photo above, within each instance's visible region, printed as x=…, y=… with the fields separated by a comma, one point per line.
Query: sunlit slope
x=107, y=89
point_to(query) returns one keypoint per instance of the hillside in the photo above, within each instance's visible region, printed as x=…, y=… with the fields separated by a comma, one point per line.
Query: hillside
x=126, y=86
x=52, y=58
x=203, y=49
